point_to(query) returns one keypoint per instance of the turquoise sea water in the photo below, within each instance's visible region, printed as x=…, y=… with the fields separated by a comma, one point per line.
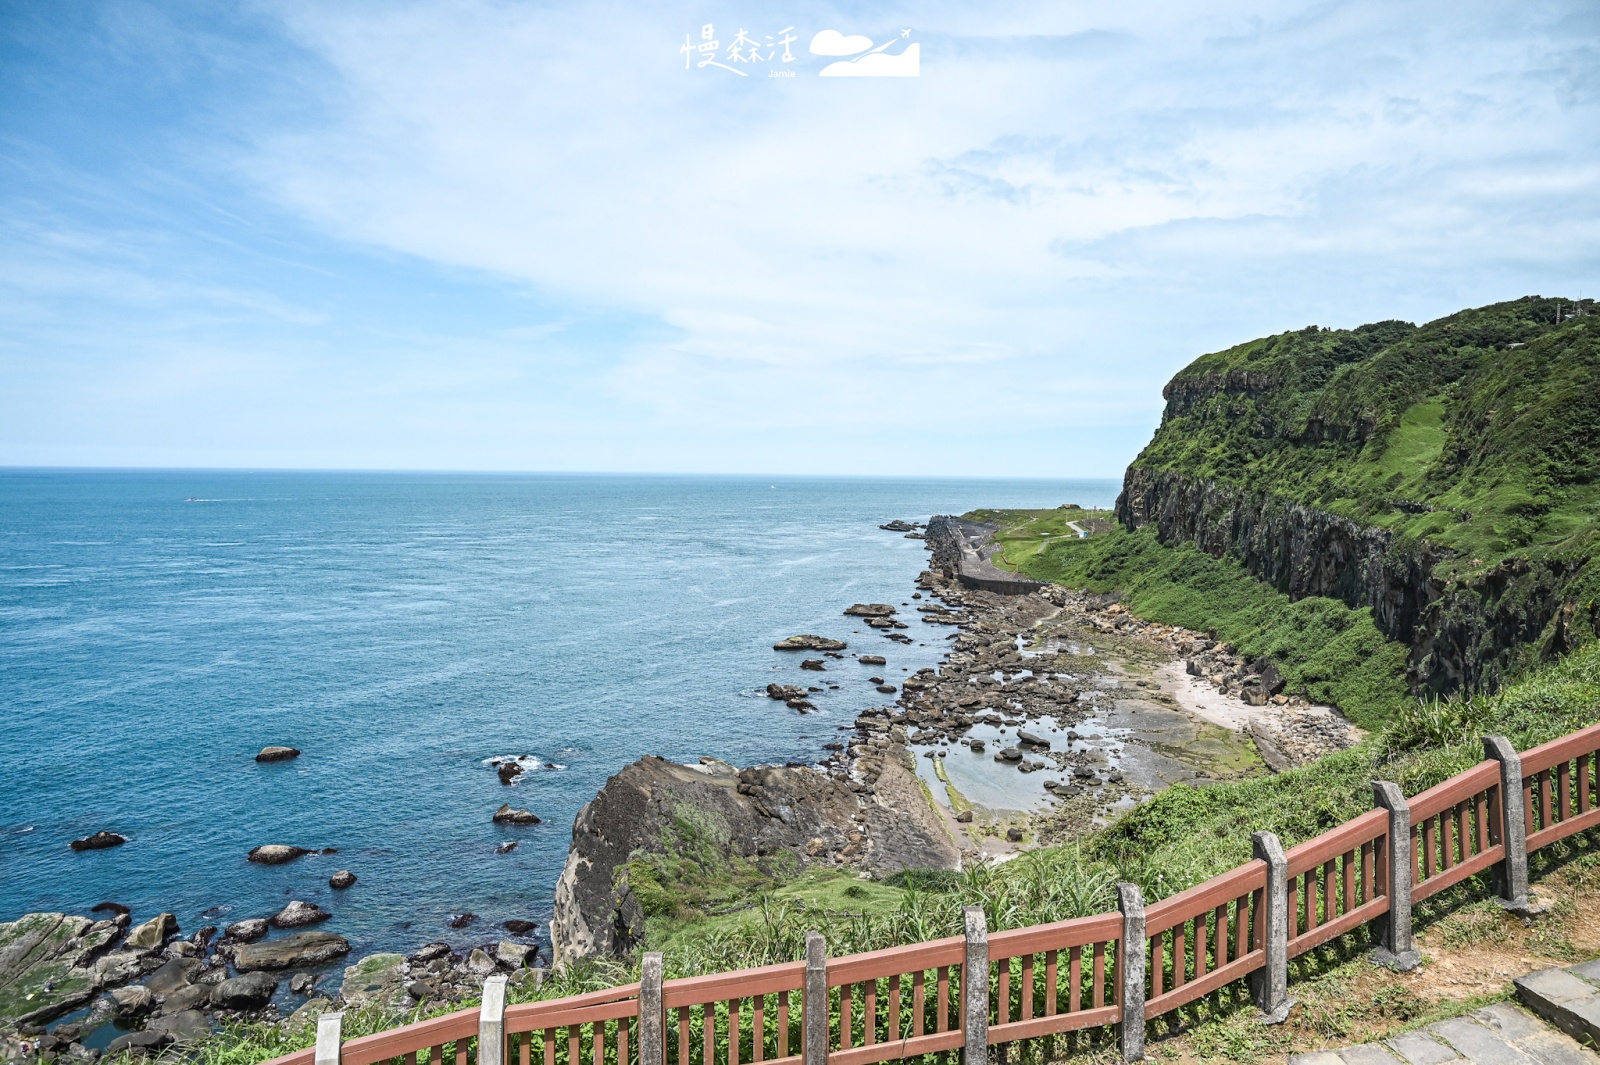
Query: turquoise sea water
x=158, y=628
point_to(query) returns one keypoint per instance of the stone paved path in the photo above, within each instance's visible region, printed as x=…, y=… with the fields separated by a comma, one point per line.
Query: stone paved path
x=1501, y=1034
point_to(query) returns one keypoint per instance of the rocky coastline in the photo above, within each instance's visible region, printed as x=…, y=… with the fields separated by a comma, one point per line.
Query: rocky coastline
x=1017, y=658
x=1016, y=668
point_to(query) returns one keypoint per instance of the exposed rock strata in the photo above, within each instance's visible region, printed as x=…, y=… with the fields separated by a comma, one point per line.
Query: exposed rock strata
x=1459, y=634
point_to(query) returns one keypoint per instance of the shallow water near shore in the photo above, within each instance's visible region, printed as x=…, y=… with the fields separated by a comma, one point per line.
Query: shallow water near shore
x=402, y=630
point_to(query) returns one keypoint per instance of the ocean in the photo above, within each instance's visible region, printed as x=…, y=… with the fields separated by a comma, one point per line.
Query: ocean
x=157, y=628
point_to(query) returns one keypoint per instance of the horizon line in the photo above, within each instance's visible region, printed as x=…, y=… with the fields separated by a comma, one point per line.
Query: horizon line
x=5, y=468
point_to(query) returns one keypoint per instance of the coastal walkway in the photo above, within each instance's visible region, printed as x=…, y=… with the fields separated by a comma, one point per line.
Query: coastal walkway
x=1559, y=1007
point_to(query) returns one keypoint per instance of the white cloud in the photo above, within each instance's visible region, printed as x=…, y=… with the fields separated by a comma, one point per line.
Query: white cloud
x=1025, y=241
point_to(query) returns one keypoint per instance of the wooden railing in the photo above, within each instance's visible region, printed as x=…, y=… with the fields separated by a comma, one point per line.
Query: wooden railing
x=981, y=989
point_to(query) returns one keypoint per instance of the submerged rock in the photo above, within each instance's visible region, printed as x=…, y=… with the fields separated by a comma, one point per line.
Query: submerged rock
x=519, y=927
x=99, y=841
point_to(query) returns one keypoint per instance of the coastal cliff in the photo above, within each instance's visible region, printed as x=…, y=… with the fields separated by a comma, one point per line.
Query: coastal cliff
x=1444, y=477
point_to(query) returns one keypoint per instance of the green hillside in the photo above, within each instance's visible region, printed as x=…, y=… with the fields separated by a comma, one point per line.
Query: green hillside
x=1478, y=432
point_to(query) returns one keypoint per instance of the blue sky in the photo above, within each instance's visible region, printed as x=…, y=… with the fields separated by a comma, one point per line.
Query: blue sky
x=523, y=236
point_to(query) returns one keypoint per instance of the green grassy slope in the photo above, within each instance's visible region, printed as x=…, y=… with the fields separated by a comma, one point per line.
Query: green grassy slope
x=1476, y=432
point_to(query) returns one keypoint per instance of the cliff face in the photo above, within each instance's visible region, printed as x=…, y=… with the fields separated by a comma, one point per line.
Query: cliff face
x=1446, y=477
x=1462, y=633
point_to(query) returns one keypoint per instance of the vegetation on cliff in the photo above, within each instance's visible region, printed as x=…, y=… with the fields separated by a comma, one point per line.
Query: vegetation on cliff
x=1446, y=476
x=1476, y=432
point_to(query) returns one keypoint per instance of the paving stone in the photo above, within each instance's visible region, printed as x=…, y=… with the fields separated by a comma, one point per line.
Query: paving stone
x=1589, y=970
x=1555, y=985
x=1564, y=1000
x=1478, y=1043
x=1555, y=1048
x=1316, y=1057
x=1369, y=1054
x=1508, y=1021
x=1420, y=1048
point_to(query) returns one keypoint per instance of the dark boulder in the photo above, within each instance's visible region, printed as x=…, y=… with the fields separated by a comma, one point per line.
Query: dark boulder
x=248, y=992
x=507, y=816
x=342, y=879
x=277, y=754
x=99, y=841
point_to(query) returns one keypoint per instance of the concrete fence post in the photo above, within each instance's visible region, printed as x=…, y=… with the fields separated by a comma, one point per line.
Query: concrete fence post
x=1130, y=972
x=975, y=988
x=492, y=1022
x=652, y=1032
x=815, y=1001
x=1270, y=983
x=1395, y=951
x=330, y=1038
x=1512, y=829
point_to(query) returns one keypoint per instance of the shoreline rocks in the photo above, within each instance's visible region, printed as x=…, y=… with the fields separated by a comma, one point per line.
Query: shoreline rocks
x=292, y=951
